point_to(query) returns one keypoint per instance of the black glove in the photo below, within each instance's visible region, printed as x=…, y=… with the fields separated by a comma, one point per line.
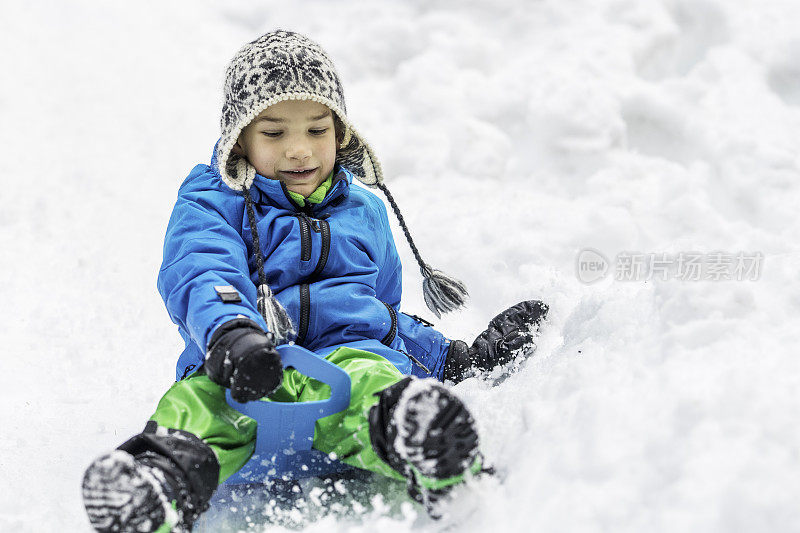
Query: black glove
x=507, y=332
x=243, y=358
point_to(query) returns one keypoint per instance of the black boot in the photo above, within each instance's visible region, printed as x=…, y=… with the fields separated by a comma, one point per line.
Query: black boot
x=424, y=432
x=123, y=493
x=160, y=480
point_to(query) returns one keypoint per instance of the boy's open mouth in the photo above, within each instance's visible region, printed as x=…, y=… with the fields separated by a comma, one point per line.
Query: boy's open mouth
x=299, y=174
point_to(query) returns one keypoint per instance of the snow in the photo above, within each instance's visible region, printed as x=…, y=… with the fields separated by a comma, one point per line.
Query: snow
x=514, y=134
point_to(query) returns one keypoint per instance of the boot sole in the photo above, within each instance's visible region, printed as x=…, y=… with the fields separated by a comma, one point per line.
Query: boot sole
x=435, y=433
x=121, y=496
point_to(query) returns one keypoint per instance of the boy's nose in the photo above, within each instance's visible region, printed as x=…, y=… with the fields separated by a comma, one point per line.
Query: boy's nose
x=298, y=151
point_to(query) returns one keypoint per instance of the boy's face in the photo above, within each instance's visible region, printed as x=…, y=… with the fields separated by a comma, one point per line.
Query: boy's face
x=292, y=141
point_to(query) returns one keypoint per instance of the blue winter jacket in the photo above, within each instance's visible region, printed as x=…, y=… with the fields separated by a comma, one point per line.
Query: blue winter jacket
x=333, y=266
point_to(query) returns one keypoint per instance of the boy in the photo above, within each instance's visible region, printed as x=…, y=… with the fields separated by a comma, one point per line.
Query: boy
x=273, y=243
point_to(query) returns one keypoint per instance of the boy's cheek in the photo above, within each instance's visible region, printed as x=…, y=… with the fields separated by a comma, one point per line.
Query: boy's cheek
x=263, y=168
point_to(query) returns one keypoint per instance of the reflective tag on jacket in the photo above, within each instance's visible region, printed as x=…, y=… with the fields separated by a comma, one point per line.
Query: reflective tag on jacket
x=227, y=293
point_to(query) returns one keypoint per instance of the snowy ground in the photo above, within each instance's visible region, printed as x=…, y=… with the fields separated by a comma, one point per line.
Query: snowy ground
x=515, y=133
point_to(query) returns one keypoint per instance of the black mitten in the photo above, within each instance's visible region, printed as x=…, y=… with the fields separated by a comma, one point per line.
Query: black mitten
x=243, y=358
x=507, y=332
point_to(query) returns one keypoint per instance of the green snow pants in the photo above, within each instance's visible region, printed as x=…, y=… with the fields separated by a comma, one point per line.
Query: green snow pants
x=197, y=405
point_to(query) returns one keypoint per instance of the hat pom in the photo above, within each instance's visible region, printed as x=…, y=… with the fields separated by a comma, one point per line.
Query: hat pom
x=276, y=317
x=442, y=293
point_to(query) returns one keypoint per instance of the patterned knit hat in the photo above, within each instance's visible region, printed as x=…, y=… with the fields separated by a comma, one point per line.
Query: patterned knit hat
x=280, y=66
x=284, y=65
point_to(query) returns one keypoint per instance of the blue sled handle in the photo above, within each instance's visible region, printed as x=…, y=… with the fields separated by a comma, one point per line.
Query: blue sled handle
x=312, y=365
x=285, y=432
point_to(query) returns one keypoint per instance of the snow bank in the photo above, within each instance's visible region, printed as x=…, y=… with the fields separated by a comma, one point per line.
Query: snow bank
x=515, y=134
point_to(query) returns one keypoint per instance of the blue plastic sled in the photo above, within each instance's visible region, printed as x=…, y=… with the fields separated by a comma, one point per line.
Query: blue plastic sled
x=286, y=430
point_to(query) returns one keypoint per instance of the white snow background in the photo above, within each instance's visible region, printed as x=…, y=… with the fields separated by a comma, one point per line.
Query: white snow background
x=513, y=133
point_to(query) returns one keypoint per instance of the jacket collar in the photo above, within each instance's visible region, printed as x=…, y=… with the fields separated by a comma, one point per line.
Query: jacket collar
x=273, y=192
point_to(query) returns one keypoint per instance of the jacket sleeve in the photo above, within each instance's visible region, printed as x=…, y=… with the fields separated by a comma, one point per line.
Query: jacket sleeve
x=426, y=346
x=202, y=251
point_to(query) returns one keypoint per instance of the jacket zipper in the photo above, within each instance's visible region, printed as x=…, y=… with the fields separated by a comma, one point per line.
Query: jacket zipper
x=305, y=237
x=420, y=320
x=419, y=364
x=387, y=340
x=305, y=313
x=305, y=255
x=325, y=250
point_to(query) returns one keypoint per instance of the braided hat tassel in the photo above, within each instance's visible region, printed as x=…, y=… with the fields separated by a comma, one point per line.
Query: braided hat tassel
x=442, y=293
x=276, y=317
x=273, y=313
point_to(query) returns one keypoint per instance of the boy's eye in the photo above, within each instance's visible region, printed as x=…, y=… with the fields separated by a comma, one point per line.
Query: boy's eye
x=272, y=133
x=318, y=131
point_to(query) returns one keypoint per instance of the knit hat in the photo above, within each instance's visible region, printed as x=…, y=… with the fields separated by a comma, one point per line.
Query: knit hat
x=284, y=65
x=279, y=66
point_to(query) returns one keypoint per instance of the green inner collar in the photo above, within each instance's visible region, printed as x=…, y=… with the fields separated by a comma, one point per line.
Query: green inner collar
x=316, y=196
